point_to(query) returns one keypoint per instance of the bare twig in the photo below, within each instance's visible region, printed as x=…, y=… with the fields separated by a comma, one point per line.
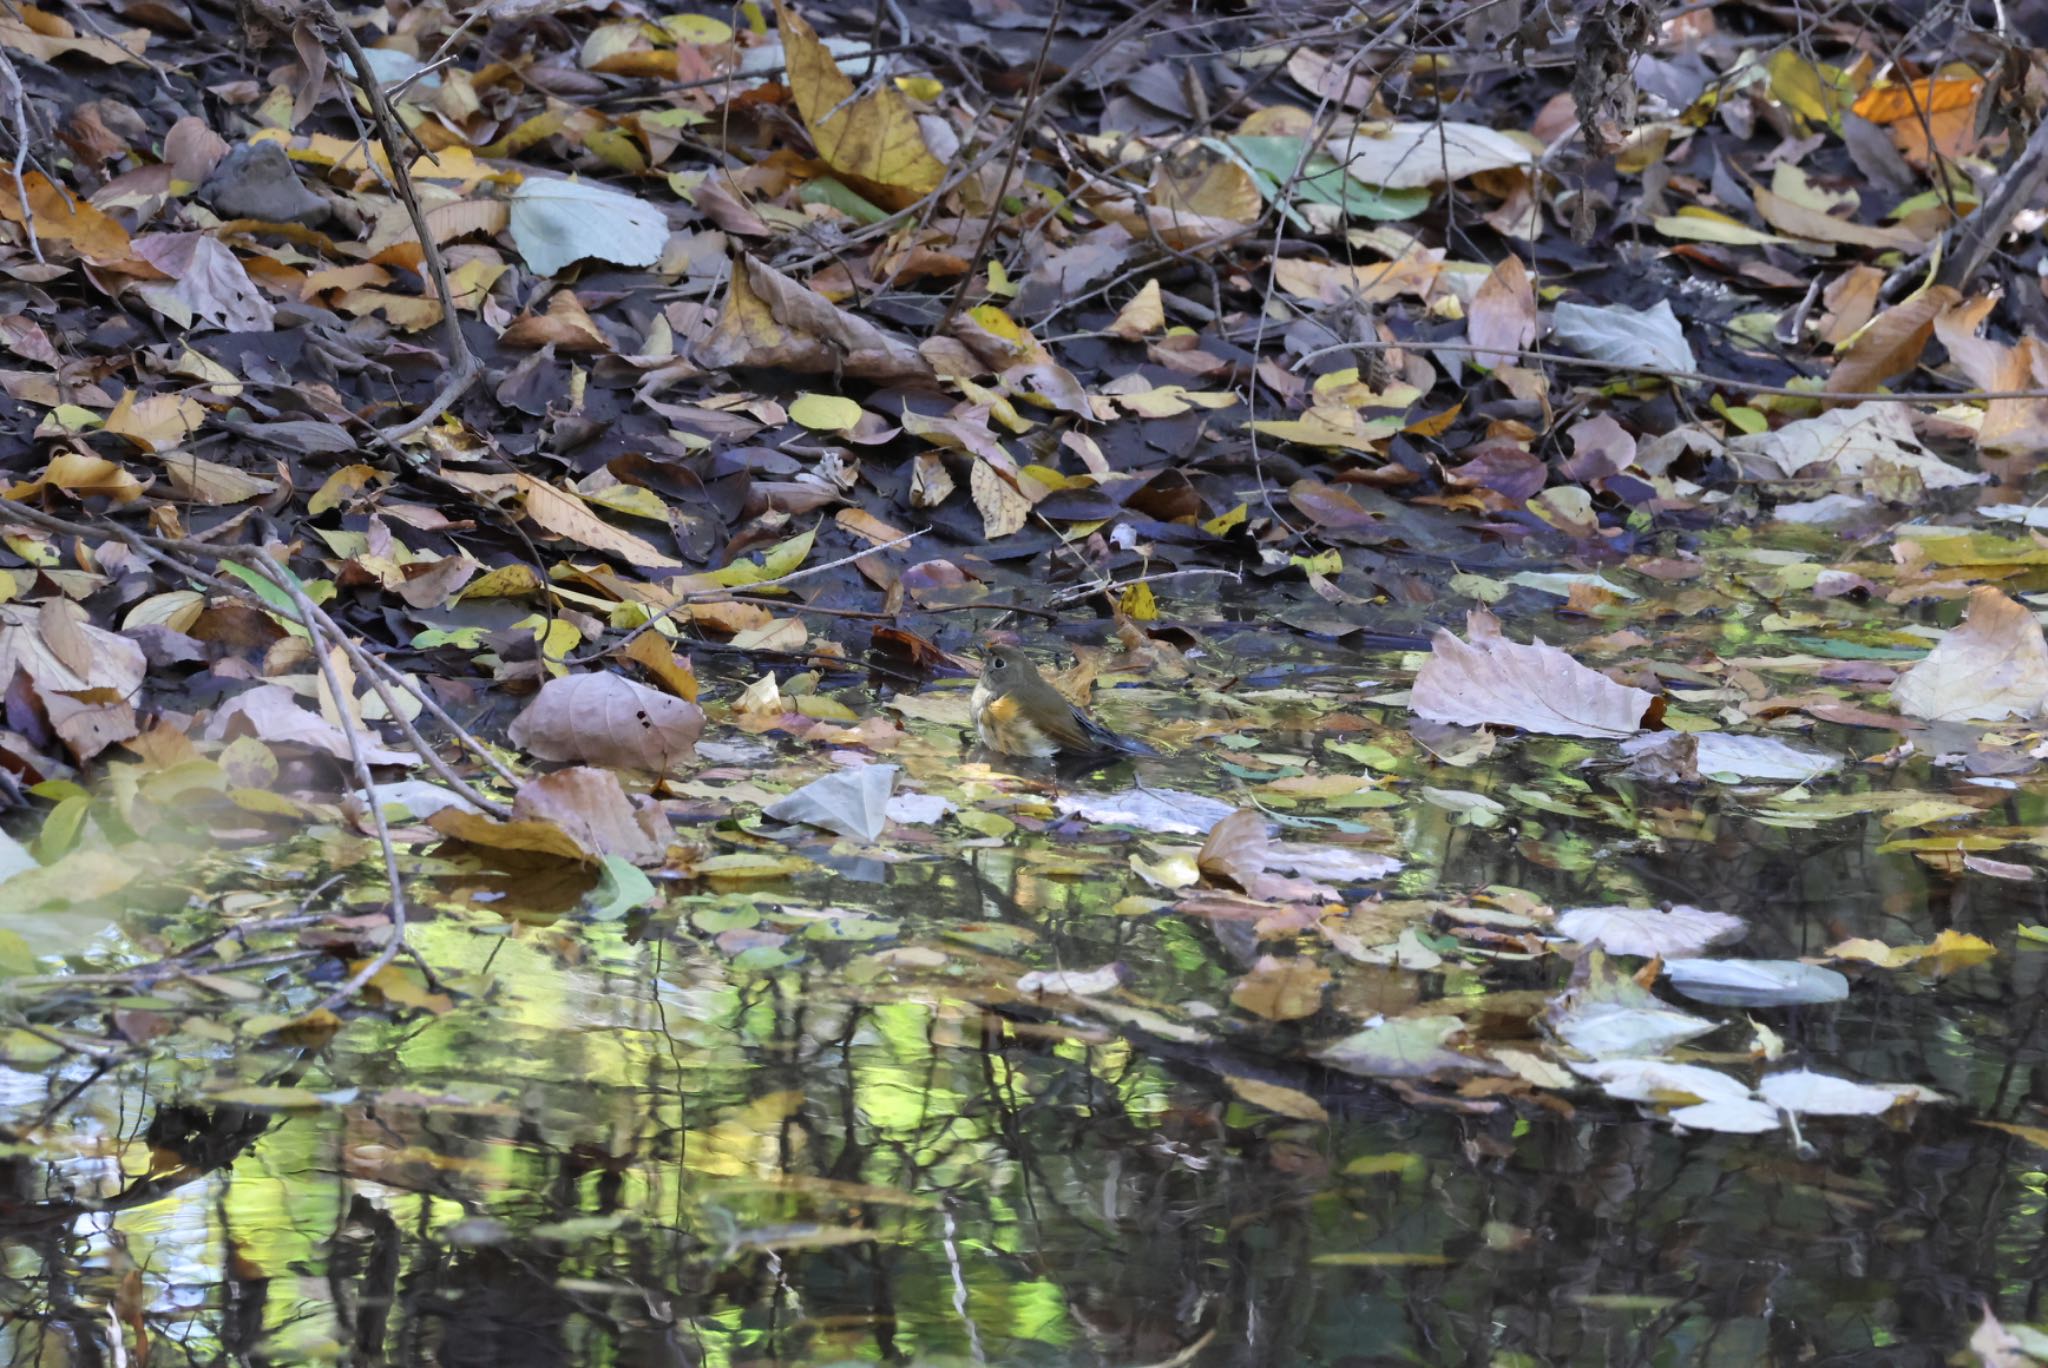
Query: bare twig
x=1116, y=586
x=17, y=116
x=1971, y=242
x=464, y=368
x=316, y=624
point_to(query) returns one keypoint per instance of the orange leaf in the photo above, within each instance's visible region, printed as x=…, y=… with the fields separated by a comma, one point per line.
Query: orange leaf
x=1889, y=103
x=62, y=217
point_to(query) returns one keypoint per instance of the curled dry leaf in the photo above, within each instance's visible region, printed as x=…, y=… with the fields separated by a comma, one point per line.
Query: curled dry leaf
x=1490, y=680
x=771, y=320
x=607, y=719
x=1994, y=665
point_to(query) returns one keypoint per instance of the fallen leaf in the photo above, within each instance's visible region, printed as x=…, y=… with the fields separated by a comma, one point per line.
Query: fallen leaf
x=607, y=719
x=1994, y=665
x=1490, y=680
x=1648, y=932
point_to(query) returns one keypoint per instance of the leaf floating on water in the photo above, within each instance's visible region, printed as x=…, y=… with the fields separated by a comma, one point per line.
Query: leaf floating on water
x=1607, y=1014
x=1073, y=982
x=1756, y=983
x=1816, y=1094
x=1163, y=810
x=1490, y=680
x=1688, y=757
x=1282, y=989
x=1861, y=444
x=1993, y=666
x=1408, y=1047
x=852, y=802
x=1647, y=932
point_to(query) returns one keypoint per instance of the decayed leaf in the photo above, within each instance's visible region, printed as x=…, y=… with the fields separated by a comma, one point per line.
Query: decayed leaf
x=60, y=216
x=1502, y=322
x=874, y=139
x=1002, y=507
x=607, y=719
x=1165, y=810
x=1072, y=982
x=770, y=320
x=207, y=281
x=1648, y=932
x=1860, y=446
x=1407, y=155
x=1994, y=665
x=1143, y=316
x=85, y=677
x=1493, y=681
x=556, y=222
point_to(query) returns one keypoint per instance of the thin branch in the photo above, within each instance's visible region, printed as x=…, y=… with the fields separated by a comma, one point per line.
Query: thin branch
x=465, y=369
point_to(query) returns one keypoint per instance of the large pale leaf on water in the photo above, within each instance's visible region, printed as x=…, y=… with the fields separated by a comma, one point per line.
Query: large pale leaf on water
x=1410, y=1047
x=1648, y=931
x=1816, y=1094
x=607, y=719
x=853, y=802
x=1756, y=983
x=874, y=138
x=1631, y=337
x=1848, y=444
x=555, y=222
x=1490, y=680
x=1404, y=156
x=1994, y=665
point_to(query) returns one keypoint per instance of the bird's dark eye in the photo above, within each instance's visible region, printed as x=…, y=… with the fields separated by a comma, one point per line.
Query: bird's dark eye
x=995, y=662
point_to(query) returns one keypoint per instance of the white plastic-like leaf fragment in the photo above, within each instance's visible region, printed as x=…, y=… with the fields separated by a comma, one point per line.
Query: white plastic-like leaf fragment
x=1755, y=983
x=852, y=802
x=1816, y=1094
x=556, y=222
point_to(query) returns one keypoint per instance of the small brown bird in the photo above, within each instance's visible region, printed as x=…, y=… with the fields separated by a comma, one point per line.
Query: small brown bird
x=1016, y=712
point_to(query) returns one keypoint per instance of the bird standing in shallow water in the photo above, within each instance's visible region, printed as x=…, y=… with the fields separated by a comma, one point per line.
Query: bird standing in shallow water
x=1016, y=712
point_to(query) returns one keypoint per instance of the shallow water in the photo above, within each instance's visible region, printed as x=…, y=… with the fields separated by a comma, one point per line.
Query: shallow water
x=811, y=1120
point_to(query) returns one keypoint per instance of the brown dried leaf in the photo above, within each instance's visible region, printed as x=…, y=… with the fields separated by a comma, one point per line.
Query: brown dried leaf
x=771, y=320
x=1503, y=314
x=1994, y=665
x=607, y=719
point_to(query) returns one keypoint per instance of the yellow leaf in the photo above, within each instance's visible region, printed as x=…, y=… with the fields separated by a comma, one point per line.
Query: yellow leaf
x=162, y=420
x=825, y=412
x=874, y=139
x=921, y=87
x=697, y=29
x=1003, y=509
x=1145, y=314
x=1138, y=604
